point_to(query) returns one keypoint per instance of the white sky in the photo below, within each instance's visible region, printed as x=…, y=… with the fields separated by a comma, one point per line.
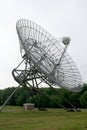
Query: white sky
x=59, y=17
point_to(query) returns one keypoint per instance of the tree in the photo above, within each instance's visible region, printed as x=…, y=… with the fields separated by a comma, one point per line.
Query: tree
x=48, y=98
x=0, y=97
x=74, y=99
x=83, y=99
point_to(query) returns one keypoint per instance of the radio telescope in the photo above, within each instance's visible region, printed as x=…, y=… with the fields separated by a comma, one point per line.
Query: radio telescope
x=45, y=60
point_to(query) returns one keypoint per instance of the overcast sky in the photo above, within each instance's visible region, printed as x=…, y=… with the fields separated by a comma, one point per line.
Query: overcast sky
x=59, y=17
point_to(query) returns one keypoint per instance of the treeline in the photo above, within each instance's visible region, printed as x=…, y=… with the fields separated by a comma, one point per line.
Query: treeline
x=47, y=97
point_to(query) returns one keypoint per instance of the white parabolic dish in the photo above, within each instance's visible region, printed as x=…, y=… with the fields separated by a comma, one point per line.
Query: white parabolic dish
x=45, y=51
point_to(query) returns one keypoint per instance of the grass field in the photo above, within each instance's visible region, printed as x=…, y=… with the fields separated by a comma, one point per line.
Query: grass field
x=15, y=118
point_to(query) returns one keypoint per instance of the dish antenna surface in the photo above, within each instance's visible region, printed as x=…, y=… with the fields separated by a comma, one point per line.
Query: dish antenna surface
x=48, y=55
x=45, y=58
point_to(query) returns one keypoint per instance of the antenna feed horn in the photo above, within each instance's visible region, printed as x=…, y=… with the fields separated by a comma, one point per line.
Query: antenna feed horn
x=66, y=40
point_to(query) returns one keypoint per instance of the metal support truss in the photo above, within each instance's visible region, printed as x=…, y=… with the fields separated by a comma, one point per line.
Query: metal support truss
x=31, y=78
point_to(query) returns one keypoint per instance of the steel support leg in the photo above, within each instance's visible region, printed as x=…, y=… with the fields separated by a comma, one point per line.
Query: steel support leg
x=8, y=98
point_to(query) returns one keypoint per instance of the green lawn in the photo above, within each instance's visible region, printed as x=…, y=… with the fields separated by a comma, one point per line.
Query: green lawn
x=15, y=118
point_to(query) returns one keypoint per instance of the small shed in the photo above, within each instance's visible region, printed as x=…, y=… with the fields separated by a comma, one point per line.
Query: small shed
x=28, y=106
